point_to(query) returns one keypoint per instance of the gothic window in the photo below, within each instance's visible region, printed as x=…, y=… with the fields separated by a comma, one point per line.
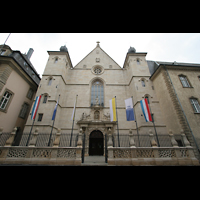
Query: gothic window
x=147, y=99
x=184, y=81
x=45, y=98
x=195, y=105
x=50, y=81
x=97, y=70
x=143, y=83
x=56, y=60
x=97, y=93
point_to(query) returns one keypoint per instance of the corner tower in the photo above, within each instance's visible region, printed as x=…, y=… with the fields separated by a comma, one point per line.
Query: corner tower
x=52, y=84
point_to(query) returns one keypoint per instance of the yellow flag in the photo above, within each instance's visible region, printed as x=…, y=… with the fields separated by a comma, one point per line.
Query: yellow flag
x=112, y=110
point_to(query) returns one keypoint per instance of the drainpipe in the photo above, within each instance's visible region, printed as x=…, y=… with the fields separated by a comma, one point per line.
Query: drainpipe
x=183, y=111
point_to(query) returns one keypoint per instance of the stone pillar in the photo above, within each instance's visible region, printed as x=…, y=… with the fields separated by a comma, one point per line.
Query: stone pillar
x=110, y=143
x=57, y=139
x=79, y=143
x=34, y=138
x=11, y=138
x=153, y=142
x=131, y=139
x=185, y=140
x=173, y=141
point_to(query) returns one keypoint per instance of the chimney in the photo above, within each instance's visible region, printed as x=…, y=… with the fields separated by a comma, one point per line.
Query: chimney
x=29, y=54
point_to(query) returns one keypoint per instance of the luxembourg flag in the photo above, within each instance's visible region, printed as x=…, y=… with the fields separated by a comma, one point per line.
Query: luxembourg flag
x=129, y=110
x=35, y=107
x=145, y=110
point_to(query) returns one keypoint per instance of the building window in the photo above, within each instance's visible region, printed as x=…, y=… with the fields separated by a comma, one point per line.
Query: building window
x=56, y=60
x=4, y=100
x=138, y=61
x=40, y=117
x=184, y=81
x=2, y=52
x=45, y=98
x=24, y=110
x=143, y=83
x=195, y=105
x=147, y=99
x=30, y=94
x=97, y=70
x=50, y=81
x=97, y=93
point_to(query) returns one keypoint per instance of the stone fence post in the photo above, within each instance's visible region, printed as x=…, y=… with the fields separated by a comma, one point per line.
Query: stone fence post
x=173, y=141
x=79, y=143
x=11, y=138
x=153, y=142
x=185, y=140
x=57, y=139
x=34, y=138
x=110, y=143
x=131, y=139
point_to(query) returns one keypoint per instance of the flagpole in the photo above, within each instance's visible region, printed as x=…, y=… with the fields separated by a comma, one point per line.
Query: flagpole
x=117, y=122
x=33, y=123
x=154, y=126
x=136, y=122
x=73, y=122
x=53, y=123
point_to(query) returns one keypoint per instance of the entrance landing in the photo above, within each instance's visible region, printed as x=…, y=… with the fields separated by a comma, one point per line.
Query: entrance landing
x=94, y=161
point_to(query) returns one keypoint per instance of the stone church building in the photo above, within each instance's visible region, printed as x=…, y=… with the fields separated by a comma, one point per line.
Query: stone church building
x=97, y=78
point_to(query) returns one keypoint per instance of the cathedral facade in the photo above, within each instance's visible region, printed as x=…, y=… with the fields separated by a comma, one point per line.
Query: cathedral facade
x=96, y=79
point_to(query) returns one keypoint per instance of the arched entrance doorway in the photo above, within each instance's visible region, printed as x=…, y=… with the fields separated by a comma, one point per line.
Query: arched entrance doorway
x=96, y=145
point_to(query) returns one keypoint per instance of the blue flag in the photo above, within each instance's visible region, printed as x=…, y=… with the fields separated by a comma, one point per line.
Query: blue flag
x=129, y=110
x=54, y=112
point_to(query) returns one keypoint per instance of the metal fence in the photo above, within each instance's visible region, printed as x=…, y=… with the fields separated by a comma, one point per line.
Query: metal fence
x=3, y=138
x=144, y=140
x=42, y=139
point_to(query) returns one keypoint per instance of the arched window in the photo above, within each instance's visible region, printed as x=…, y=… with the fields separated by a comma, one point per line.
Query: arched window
x=50, y=81
x=97, y=93
x=143, y=83
x=138, y=61
x=184, y=81
x=146, y=97
x=45, y=98
x=56, y=60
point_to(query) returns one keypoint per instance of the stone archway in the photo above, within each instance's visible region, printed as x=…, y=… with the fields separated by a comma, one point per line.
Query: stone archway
x=96, y=143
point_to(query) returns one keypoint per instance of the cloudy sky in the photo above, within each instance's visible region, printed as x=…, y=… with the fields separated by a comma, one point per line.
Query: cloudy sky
x=180, y=47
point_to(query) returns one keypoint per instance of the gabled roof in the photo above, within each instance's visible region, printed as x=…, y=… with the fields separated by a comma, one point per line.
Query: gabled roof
x=98, y=46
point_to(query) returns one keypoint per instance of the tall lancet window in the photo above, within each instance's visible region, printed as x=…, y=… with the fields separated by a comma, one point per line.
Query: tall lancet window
x=97, y=93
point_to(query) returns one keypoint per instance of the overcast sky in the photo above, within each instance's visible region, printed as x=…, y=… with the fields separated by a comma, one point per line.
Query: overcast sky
x=180, y=47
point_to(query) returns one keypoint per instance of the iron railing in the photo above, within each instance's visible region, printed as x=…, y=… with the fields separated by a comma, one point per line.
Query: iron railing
x=145, y=141
x=42, y=139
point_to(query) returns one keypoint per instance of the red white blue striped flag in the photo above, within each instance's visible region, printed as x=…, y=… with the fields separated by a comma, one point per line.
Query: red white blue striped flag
x=35, y=107
x=146, y=110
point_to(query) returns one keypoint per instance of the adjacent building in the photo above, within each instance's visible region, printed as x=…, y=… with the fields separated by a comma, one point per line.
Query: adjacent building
x=18, y=85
